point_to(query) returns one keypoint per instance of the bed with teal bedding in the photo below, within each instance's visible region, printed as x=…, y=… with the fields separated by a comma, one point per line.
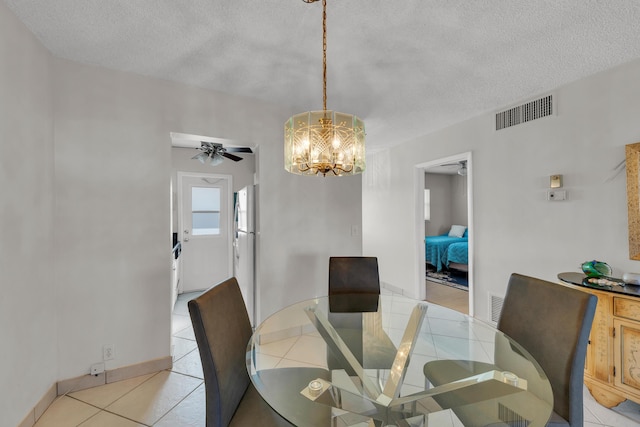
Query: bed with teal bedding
x=436, y=248
x=457, y=253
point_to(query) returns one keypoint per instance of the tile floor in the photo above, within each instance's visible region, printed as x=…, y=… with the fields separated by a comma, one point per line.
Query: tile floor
x=176, y=397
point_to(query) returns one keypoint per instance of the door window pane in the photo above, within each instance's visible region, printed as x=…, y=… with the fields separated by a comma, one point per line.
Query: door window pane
x=205, y=211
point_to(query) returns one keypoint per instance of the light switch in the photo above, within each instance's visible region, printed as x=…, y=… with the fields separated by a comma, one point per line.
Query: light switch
x=556, y=181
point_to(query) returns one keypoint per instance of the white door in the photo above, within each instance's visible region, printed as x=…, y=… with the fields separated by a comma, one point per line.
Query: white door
x=206, y=231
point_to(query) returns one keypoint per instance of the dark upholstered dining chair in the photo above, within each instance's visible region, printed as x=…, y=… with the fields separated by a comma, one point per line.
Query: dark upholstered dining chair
x=354, y=288
x=552, y=322
x=353, y=275
x=222, y=330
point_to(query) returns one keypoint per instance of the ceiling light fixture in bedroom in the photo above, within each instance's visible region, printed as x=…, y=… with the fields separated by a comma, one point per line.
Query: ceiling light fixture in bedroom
x=462, y=167
x=324, y=142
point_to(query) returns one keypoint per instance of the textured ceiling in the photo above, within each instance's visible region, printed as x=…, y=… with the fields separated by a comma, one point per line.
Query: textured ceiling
x=406, y=67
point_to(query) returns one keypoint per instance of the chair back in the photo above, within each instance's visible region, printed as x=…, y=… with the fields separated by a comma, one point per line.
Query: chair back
x=552, y=322
x=353, y=275
x=222, y=330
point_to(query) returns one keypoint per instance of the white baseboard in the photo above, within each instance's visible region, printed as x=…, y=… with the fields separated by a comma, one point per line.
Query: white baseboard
x=87, y=381
x=394, y=289
x=40, y=407
x=113, y=375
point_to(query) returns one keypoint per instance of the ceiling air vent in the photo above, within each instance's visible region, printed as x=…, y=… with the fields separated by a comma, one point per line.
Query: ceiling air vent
x=539, y=108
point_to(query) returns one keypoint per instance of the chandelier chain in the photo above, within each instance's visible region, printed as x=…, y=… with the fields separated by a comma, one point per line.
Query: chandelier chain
x=324, y=54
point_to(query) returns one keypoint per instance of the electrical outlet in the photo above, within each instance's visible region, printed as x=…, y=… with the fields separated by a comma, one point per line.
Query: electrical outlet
x=97, y=368
x=108, y=352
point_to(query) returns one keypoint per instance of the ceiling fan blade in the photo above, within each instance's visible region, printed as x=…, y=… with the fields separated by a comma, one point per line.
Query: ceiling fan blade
x=232, y=157
x=461, y=163
x=238, y=150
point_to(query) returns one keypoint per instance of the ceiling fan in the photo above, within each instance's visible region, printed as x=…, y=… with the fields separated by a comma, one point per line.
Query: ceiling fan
x=213, y=153
x=462, y=167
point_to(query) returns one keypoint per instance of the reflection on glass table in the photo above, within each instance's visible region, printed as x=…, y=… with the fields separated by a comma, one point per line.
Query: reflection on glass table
x=372, y=350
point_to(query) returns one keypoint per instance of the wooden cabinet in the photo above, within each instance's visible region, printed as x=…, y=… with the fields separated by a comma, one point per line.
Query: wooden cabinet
x=626, y=343
x=612, y=368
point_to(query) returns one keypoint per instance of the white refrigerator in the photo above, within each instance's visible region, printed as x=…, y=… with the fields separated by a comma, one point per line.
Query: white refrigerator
x=244, y=247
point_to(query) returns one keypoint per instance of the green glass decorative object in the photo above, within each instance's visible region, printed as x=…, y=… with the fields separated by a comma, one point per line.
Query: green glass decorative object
x=596, y=269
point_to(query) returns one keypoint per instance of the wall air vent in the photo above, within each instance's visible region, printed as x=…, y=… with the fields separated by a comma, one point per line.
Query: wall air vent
x=537, y=109
x=495, y=307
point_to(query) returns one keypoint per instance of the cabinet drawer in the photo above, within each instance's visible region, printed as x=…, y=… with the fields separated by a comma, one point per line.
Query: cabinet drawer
x=627, y=308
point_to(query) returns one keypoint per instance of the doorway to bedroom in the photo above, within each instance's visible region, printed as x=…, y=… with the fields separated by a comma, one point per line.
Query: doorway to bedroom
x=446, y=232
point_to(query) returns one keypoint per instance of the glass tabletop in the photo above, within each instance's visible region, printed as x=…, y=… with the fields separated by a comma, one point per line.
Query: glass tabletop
x=382, y=360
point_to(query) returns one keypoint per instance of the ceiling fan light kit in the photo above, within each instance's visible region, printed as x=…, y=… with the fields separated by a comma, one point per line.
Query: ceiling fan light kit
x=324, y=142
x=207, y=159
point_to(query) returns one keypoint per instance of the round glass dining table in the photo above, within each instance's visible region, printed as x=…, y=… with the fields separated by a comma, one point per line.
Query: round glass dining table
x=385, y=360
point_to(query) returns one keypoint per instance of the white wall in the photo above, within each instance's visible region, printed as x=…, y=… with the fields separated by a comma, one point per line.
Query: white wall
x=458, y=189
x=112, y=217
x=113, y=170
x=516, y=229
x=113, y=223
x=443, y=204
x=448, y=202
x=303, y=221
x=28, y=313
x=438, y=185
